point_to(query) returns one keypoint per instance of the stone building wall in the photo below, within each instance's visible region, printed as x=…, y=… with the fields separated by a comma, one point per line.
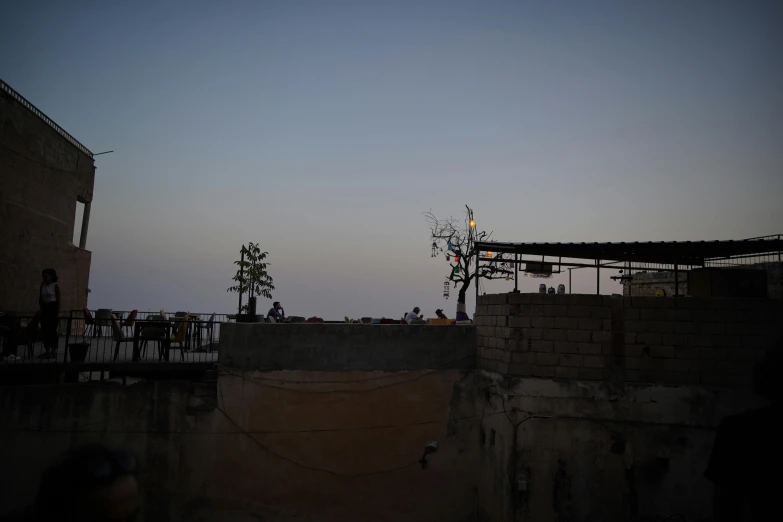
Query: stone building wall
x=42, y=176
x=621, y=339
x=606, y=408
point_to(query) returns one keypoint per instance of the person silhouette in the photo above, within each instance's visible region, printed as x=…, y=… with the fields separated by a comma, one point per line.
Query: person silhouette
x=746, y=458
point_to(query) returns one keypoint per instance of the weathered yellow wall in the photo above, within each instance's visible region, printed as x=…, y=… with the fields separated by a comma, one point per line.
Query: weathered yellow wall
x=344, y=450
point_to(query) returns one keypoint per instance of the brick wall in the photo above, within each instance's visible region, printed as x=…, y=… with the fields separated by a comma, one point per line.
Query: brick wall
x=626, y=339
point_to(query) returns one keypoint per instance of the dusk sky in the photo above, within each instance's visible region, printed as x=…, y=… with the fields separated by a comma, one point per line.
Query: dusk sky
x=323, y=130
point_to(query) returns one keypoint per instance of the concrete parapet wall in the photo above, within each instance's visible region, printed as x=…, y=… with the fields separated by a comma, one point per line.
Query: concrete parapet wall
x=346, y=347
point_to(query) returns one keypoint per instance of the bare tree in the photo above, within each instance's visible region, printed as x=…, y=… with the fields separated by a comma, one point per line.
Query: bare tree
x=455, y=239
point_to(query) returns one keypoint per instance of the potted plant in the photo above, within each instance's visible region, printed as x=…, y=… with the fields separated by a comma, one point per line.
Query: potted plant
x=251, y=279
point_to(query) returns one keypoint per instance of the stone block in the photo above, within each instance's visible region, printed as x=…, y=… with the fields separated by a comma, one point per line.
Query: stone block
x=701, y=340
x=636, y=326
x=663, y=327
x=741, y=329
x=631, y=314
x=602, y=337
x=677, y=315
x=566, y=347
x=657, y=350
x=660, y=376
x=635, y=350
x=759, y=342
x=675, y=339
x=716, y=378
x=517, y=299
x=593, y=361
x=519, y=321
x=542, y=322
x=520, y=369
x=531, y=310
x=485, y=331
x=566, y=372
x=582, y=336
x=567, y=323
x=590, y=324
x=653, y=314
x=555, y=335
x=493, y=365
x=632, y=363
x=501, y=320
x=567, y=359
x=497, y=299
x=542, y=346
x=588, y=299
x=705, y=316
x=649, y=338
x=685, y=328
x=610, y=324
x=713, y=354
x=629, y=337
x=502, y=332
x=543, y=371
x=523, y=357
x=555, y=310
x=711, y=328
x=533, y=333
x=687, y=352
x=546, y=359
x=636, y=376
x=589, y=348
x=591, y=374
x=601, y=312
x=578, y=311
x=684, y=377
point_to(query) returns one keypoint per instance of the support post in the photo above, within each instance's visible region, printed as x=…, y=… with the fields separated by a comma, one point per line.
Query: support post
x=85, y=226
x=476, y=277
x=598, y=276
x=516, y=272
x=569, y=280
x=241, y=276
x=676, y=279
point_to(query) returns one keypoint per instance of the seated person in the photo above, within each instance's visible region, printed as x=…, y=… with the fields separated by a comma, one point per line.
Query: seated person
x=276, y=313
x=440, y=314
x=412, y=316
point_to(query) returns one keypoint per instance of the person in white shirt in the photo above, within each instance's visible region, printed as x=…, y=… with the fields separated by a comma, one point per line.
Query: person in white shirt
x=49, y=302
x=411, y=316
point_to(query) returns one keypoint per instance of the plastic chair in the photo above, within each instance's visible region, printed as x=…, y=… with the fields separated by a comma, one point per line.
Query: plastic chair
x=119, y=337
x=180, y=335
x=130, y=321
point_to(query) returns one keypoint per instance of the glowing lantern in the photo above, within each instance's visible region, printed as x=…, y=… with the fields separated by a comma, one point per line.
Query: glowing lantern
x=456, y=259
x=489, y=254
x=472, y=224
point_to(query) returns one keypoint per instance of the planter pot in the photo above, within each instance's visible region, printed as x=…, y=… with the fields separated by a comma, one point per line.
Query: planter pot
x=251, y=306
x=78, y=351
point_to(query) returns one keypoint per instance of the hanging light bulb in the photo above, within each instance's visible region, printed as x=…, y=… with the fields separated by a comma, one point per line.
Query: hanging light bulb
x=472, y=224
x=489, y=254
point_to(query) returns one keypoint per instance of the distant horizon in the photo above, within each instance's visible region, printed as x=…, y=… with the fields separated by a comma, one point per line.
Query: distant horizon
x=323, y=132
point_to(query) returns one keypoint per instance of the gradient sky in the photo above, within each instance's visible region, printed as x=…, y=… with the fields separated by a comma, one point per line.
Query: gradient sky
x=323, y=130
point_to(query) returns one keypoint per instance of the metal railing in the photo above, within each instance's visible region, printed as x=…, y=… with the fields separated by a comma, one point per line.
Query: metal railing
x=101, y=343
x=32, y=108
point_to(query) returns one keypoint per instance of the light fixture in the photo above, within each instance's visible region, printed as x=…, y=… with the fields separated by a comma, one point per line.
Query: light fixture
x=434, y=249
x=489, y=254
x=456, y=259
x=472, y=224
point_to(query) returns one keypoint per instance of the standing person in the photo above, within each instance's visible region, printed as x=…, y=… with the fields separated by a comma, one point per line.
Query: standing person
x=276, y=313
x=49, y=299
